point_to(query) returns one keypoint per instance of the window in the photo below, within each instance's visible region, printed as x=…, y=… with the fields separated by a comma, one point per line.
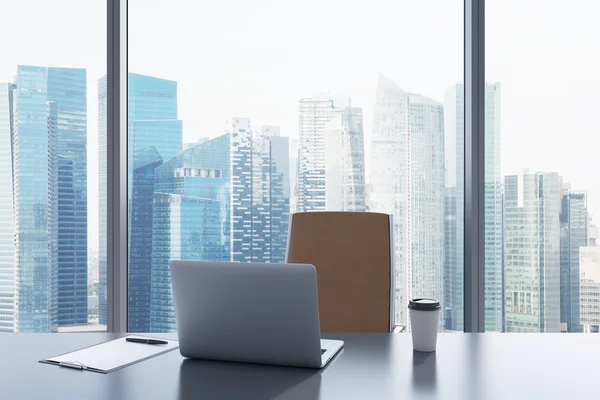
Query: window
x=540, y=182
x=51, y=253
x=335, y=118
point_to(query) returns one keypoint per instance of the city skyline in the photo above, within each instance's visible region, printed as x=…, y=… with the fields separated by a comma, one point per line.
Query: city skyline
x=411, y=147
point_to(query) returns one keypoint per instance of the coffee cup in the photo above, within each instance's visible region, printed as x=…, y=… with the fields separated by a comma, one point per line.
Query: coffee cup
x=424, y=322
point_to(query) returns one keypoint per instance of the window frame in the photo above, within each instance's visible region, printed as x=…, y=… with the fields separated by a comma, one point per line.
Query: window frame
x=474, y=229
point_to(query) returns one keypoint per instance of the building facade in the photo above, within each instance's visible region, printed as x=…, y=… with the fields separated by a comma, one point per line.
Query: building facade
x=152, y=123
x=35, y=173
x=191, y=218
x=532, y=252
x=589, y=267
x=271, y=195
x=226, y=199
x=407, y=181
x=345, y=161
x=314, y=116
x=145, y=162
x=573, y=236
x=67, y=90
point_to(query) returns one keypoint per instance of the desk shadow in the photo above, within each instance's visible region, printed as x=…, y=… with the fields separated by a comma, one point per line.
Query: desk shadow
x=229, y=380
x=424, y=372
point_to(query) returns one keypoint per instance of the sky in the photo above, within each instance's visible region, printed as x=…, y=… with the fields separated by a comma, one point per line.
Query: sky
x=257, y=58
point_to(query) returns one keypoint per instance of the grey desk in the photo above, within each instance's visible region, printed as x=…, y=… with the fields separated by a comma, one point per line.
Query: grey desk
x=372, y=366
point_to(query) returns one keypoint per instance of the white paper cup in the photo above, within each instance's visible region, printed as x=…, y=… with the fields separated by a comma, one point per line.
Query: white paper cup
x=424, y=322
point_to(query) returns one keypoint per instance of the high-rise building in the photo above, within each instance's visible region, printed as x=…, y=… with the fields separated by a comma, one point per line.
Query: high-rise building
x=192, y=218
x=454, y=105
x=345, y=161
x=8, y=271
x=589, y=268
x=314, y=116
x=226, y=199
x=35, y=172
x=145, y=161
x=67, y=89
x=573, y=235
x=408, y=182
x=152, y=123
x=271, y=195
x=532, y=252
x=240, y=154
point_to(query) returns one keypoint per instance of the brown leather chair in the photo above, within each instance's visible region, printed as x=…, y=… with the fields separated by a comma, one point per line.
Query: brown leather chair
x=352, y=253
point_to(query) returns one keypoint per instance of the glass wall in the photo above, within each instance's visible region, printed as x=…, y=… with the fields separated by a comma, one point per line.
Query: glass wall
x=245, y=112
x=541, y=188
x=50, y=250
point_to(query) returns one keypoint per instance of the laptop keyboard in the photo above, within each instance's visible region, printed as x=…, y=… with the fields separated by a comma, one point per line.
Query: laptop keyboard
x=323, y=351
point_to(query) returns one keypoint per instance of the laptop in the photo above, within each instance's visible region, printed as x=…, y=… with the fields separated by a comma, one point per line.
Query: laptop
x=250, y=312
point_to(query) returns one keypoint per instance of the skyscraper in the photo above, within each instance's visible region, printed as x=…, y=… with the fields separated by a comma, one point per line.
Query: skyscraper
x=152, y=123
x=532, y=252
x=192, y=218
x=8, y=271
x=145, y=161
x=35, y=172
x=573, y=235
x=314, y=116
x=67, y=89
x=454, y=105
x=589, y=263
x=240, y=156
x=271, y=195
x=226, y=199
x=345, y=161
x=408, y=182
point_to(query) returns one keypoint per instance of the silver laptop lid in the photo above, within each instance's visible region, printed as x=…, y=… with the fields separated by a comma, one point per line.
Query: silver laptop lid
x=248, y=312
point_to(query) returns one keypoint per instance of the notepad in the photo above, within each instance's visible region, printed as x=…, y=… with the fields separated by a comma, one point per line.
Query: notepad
x=110, y=356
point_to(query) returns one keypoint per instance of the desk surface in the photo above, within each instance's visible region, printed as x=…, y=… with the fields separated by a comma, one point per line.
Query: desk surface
x=371, y=366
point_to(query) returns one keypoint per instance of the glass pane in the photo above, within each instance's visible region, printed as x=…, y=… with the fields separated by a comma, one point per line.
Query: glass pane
x=49, y=247
x=330, y=105
x=541, y=189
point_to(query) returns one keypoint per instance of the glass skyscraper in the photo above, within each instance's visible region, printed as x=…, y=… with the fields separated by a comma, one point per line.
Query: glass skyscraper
x=152, y=122
x=49, y=143
x=145, y=161
x=455, y=159
x=226, y=199
x=35, y=194
x=67, y=91
x=271, y=195
x=314, y=116
x=192, y=218
x=573, y=236
x=408, y=182
x=345, y=188
x=532, y=252
x=589, y=267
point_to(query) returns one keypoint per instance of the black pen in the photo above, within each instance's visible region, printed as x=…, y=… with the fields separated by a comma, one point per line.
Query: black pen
x=146, y=341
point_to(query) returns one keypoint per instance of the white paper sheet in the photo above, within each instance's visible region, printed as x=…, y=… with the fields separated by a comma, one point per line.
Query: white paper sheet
x=108, y=356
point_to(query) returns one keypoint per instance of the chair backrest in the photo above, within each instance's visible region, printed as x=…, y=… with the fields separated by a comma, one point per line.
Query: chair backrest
x=352, y=253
